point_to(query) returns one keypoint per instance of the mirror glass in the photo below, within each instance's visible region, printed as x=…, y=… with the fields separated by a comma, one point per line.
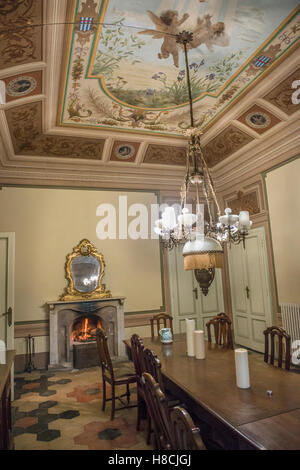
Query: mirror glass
x=85, y=271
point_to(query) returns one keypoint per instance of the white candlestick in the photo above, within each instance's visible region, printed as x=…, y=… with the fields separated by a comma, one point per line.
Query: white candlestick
x=2, y=353
x=190, y=327
x=242, y=368
x=199, y=344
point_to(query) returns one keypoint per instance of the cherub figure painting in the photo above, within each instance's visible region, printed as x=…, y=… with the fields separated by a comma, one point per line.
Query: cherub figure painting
x=167, y=26
x=209, y=34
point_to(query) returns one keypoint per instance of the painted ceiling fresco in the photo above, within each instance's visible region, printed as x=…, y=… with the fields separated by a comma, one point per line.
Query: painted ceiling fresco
x=125, y=71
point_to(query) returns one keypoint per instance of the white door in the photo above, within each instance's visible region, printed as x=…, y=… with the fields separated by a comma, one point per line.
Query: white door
x=250, y=290
x=7, y=250
x=187, y=300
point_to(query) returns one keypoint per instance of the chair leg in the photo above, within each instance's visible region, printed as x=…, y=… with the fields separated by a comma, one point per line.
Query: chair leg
x=148, y=429
x=127, y=394
x=104, y=396
x=113, y=402
x=139, y=412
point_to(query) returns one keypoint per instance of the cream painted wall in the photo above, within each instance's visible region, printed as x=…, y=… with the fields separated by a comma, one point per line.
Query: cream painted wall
x=283, y=192
x=48, y=223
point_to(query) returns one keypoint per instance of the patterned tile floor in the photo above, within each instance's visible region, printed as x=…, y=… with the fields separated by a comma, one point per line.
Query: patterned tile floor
x=62, y=410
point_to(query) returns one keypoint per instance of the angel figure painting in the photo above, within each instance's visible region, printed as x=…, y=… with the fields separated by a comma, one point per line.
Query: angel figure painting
x=137, y=63
x=167, y=26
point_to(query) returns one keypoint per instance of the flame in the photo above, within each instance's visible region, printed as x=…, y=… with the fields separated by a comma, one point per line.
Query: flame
x=86, y=330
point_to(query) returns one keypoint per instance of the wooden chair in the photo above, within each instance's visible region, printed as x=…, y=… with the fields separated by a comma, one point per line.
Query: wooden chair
x=281, y=334
x=137, y=353
x=112, y=376
x=153, y=367
x=222, y=330
x=158, y=410
x=162, y=320
x=186, y=435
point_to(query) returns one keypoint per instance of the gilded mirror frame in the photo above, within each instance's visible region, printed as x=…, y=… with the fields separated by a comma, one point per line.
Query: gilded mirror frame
x=84, y=248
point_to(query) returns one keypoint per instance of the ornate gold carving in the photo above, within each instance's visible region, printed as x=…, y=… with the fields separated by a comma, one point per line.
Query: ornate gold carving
x=25, y=123
x=84, y=248
x=19, y=43
x=165, y=155
x=245, y=202
x=225, y=144
x=281, y=96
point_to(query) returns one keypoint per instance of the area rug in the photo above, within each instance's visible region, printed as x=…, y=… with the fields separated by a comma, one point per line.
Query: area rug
x=63, y=410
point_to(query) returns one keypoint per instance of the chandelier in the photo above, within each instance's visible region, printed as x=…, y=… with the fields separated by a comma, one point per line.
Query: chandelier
x=203, y=240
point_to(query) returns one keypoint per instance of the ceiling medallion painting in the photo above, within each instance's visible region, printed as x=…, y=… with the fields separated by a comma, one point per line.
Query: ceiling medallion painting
x=18, y=86
x=259, y=119
x=124, y=151
x=128, y=73
x=21, y=86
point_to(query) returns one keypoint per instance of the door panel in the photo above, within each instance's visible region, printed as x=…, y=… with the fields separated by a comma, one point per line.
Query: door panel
x=187, y=300
x=255, y=274
x=251, y=307
x=3, y=288
x=7, y=264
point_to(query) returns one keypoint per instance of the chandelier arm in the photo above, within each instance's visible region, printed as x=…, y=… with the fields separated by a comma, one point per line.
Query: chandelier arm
x=205, y=190
x=211, y=184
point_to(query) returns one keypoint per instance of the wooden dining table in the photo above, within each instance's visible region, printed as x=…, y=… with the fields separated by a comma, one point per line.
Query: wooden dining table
x=265, y=416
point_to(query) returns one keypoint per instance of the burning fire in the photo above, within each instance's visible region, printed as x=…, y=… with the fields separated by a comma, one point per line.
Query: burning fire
x=85, y=329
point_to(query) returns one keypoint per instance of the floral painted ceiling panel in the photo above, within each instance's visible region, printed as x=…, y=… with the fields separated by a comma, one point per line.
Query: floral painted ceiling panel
x=125, y=71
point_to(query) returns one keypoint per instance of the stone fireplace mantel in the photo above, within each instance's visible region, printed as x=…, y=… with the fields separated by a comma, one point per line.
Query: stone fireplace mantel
x=62, y=315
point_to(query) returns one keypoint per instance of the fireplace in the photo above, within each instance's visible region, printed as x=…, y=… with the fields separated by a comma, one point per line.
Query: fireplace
x=73, y=326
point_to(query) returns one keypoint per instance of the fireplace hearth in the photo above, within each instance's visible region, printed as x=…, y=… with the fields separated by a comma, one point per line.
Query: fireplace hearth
x=73, y=326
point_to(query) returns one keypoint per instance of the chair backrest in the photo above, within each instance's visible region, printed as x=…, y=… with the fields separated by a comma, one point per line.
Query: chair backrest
x=153, y=366
x=104, y=355
x=222, y=330
x=281, y=334
x=158, y=410
x=161, y=320
x=186, y=435
x=137, y=349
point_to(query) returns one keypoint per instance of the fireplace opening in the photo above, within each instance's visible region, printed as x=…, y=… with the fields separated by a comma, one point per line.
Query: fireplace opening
x=84, y=329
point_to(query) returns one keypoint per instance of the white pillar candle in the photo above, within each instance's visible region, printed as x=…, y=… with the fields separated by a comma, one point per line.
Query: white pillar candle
x=242, y=368
x=2, y=352
x=199, y=344
x=190, y=327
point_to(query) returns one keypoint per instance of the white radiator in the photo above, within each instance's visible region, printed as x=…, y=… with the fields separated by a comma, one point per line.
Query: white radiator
x=291, y=320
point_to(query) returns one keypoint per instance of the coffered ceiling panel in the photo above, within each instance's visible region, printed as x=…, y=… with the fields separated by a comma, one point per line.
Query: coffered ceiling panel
x=27, y=136
x=281, y=95
x=165, y=154
x=19, y=43
x=223, y=145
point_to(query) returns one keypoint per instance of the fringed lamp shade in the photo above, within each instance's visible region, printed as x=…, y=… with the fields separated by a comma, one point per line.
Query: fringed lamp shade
x=205, y=253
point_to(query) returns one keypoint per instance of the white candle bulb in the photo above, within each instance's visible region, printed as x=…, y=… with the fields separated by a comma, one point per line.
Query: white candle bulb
x=244, y=218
